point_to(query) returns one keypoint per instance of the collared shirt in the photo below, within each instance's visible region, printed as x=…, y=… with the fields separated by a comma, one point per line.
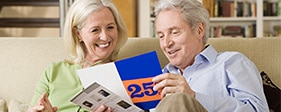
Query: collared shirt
x=224, y=82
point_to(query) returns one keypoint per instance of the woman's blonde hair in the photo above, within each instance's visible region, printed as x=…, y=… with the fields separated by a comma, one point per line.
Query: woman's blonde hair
x=77, y=14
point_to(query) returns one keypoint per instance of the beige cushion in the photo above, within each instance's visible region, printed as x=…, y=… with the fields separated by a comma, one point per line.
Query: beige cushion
x=22, y=63
x=136, y=46
x=2, y=105
x=264, y=52
x=16, y=106
x=23, y=60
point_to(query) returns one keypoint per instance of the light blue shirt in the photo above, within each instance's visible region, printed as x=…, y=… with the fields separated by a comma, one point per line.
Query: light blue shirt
x=224, y=82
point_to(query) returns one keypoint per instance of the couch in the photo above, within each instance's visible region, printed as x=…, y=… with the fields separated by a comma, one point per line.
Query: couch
x=23, y=60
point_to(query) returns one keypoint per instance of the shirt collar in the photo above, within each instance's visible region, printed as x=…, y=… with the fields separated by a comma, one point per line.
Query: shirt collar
x=208, y=54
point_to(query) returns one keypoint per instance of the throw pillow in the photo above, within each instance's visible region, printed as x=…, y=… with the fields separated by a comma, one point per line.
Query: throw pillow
x=2, y=105
x=272, y=93
x=16, y=106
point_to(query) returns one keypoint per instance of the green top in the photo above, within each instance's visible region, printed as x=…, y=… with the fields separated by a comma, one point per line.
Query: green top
x=61, y=83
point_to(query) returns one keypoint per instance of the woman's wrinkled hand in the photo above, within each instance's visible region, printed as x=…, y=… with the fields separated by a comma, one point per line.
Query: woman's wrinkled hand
x=103, y=108
x=43, y=105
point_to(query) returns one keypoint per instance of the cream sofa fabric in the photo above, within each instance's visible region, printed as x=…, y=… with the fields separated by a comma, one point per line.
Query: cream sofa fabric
x=2, y=105
x=23, y=60
x=264, y=52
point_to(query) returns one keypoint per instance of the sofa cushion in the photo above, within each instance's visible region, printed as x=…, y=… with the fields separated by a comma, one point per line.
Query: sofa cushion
x=16, y=106
x=272, y=93
x=22, y=63
x=136, y=46
x=264, y=52
x=2, y=105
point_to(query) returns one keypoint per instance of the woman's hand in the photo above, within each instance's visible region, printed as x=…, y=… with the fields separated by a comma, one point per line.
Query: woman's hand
x=171, y=83
x=103, y=108
x=43, y=104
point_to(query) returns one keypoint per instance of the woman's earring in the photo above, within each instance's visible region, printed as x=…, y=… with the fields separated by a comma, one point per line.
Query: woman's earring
x=80, y=41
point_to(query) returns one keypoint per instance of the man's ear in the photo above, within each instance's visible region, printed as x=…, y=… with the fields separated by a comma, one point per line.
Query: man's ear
x=201, y=30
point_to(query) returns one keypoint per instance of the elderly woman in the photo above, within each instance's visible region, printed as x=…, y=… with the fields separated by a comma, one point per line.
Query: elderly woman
x=93, y=34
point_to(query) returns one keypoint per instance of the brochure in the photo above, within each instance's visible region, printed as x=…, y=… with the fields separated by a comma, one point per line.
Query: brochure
x=130, y=78
x=95, y=95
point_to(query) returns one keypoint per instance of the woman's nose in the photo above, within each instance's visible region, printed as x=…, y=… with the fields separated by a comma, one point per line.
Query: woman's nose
x=103, y=35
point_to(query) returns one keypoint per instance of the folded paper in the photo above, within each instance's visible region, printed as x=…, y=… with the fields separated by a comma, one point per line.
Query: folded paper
x=130, y=78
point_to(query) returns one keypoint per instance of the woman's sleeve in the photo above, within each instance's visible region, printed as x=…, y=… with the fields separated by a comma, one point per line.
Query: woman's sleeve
x=42, y=86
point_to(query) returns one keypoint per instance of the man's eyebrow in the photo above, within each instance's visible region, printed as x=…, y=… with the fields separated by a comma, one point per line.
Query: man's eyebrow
x=158, y=32
x=174, y=27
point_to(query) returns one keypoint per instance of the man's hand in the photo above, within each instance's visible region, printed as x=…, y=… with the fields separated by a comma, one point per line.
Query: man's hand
x=171, y=83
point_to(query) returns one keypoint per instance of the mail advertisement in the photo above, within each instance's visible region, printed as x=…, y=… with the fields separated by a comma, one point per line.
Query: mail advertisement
x=95, y=95
x=129, y=78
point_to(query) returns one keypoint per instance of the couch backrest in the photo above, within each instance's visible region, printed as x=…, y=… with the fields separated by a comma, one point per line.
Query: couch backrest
x=264, y=52
x=23, y=60
x=136, y=46
x=22, y=63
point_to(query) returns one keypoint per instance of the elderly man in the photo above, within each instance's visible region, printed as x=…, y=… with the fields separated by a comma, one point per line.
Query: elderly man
x=198, y=76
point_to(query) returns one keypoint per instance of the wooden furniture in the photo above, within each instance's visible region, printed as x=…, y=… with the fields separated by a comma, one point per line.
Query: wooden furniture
x=264, y=25
x=35, y=22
